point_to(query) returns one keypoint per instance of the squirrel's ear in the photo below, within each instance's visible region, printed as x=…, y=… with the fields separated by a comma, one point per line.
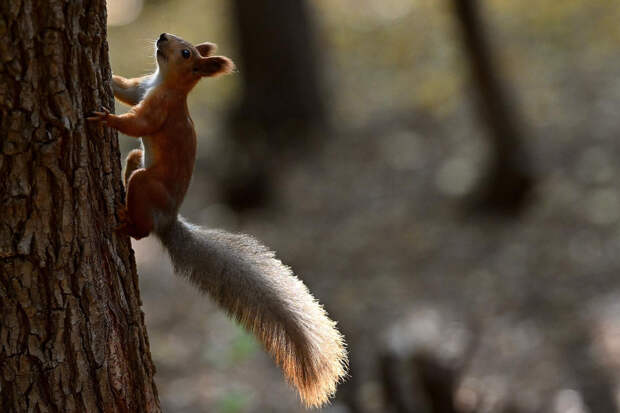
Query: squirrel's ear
x=215, y=66
x=206, y=49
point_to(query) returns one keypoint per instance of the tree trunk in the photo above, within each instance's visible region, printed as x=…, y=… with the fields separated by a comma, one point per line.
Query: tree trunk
x=282, y=110
x=72, y=334
x=509, y=179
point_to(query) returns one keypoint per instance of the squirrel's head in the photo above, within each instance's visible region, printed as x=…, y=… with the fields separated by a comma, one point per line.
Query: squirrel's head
x=183, y=64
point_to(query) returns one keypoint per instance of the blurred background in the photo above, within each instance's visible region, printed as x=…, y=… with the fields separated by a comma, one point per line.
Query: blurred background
x=442, y=174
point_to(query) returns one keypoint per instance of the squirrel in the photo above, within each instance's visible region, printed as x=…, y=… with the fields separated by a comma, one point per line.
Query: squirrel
x=238, y=272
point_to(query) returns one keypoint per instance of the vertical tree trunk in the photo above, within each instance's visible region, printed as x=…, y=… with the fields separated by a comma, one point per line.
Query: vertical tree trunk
x=72, y=334
x=282, y=106
x=509, y=178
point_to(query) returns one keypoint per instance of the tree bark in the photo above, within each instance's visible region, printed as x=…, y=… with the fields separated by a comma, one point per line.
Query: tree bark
x=72, y=334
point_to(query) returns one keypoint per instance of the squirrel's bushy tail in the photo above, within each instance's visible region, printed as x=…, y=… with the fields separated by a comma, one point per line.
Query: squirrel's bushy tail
x=262, y=294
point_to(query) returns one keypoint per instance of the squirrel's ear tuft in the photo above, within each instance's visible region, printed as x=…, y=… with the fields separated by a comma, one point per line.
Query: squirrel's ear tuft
x=215, y=66
x=206, y=49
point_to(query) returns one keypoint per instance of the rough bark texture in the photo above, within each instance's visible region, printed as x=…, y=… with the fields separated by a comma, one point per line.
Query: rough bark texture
x=72, y=334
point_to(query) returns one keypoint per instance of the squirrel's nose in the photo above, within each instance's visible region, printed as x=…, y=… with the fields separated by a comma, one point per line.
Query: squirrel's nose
x=162, y=37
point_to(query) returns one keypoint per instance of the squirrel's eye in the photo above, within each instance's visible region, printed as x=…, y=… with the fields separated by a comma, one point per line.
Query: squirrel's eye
x=185, y=53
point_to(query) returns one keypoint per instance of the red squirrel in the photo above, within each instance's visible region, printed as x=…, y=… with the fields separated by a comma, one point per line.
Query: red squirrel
x=241, y=275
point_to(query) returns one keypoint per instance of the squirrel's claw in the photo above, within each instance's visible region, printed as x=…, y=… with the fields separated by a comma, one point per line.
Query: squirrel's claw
x=99, y=116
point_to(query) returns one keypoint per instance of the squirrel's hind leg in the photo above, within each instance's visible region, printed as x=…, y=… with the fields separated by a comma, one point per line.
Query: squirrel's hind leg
x=145, y=195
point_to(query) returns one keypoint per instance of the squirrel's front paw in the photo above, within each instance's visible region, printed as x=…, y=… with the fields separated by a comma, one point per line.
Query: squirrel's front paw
x=100, y=117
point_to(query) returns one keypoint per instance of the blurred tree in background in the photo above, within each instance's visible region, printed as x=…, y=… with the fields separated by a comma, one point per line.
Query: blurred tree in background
x=282, y=107
x=509, y=178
